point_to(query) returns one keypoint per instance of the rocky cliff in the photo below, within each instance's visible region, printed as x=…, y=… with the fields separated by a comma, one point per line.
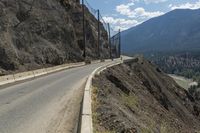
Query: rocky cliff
x=38, y=33
x=137, y=97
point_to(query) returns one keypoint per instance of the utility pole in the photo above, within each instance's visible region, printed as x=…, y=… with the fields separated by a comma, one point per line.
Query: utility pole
x=99, y=54
x=109, y=41
x=84, y=40
x=119, y=43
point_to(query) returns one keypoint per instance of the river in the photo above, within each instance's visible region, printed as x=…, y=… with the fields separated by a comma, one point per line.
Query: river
x=182, y=81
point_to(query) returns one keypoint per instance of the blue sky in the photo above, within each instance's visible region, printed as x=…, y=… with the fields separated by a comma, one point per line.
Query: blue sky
x=124, y=14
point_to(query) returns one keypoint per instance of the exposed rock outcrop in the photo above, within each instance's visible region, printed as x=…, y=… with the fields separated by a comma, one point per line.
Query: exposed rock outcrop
x=37, y=33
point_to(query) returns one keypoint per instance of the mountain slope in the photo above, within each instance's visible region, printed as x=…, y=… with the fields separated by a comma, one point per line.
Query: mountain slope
x=176, y=30
x=137, y=97
x=37, y=33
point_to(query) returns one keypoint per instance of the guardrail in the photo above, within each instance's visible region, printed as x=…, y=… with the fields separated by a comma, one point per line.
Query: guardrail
x=35, y=73
x=39, y=72
x=7, y=79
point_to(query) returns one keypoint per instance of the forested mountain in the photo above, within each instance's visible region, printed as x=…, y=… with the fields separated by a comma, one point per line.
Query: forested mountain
x=177, y=30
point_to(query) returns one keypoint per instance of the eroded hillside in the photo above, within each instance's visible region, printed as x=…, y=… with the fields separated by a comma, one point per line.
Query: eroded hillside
x=137, y=97
x=38, y=33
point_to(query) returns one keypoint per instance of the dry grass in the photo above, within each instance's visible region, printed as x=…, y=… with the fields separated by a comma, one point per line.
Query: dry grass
x=95, y=115
x=130, y=100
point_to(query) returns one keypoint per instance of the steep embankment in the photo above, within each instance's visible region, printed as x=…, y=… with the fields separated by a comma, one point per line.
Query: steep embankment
x=139, y=97
x=37, y=33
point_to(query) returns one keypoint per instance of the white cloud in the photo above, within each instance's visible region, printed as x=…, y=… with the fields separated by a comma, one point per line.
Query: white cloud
x=150, y=1
x=141, y=12
x=187, y=5
x=133, y=16
x=121, y=23
x=125, y=9
x=154, y=1
x=122, y=28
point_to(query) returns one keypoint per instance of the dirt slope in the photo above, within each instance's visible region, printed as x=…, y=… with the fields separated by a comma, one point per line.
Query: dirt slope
x=139, y=97
x=37, y=33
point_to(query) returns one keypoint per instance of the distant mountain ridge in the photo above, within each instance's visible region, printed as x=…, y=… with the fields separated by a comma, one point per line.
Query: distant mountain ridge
x=178, y=30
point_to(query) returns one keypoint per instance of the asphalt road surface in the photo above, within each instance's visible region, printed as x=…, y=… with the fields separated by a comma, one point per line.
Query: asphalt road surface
x=48, y=104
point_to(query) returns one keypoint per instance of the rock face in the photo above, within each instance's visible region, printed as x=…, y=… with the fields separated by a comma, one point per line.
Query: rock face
x=37, y=33
x=138, y=97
